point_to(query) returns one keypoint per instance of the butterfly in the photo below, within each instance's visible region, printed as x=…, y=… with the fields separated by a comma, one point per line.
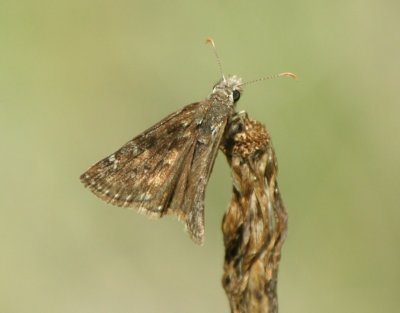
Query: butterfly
x=165, y=169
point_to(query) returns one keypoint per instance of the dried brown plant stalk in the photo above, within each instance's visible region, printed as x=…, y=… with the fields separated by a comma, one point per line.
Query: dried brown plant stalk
x=255, y=224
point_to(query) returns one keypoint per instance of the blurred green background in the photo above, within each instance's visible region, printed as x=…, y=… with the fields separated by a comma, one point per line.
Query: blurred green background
x=80, y=78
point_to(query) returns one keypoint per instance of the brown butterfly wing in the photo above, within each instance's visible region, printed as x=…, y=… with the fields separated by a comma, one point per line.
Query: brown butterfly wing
x=165, y=169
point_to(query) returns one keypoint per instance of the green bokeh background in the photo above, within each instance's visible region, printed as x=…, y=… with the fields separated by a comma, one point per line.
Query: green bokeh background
x=80, y=78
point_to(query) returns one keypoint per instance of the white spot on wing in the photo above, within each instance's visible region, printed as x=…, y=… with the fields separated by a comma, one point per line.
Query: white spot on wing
x=145, y=197
x=113, y=160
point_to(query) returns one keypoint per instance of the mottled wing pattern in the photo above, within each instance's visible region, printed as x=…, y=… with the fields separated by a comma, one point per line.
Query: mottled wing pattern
x=138, y=174
x=165, y=169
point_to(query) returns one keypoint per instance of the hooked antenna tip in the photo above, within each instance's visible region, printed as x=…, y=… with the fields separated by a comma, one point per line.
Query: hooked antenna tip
x=210, y=41
x=288, y=74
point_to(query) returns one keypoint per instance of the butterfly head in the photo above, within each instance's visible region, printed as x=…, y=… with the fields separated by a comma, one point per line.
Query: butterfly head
x=230, y=87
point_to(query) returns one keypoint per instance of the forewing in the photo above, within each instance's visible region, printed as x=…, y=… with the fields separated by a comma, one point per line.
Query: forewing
x=143, y=172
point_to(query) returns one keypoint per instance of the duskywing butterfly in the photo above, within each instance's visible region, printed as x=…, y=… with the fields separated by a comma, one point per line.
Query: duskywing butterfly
x=165, y=169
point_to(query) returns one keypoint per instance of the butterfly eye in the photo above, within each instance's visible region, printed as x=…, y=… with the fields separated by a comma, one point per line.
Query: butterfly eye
x=236, y=95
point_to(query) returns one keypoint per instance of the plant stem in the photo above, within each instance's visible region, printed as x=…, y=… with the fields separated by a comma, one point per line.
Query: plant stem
x=255, y=224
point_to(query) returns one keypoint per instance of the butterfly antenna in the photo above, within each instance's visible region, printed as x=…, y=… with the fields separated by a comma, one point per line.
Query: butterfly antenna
x=211, y=42
x=284, y=74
